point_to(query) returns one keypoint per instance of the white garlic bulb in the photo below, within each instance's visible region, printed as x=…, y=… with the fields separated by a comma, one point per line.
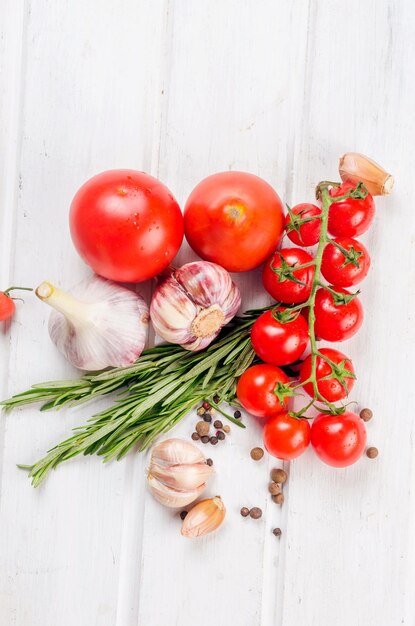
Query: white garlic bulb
x=177, y=473
x=98, y=324
x=192, y=303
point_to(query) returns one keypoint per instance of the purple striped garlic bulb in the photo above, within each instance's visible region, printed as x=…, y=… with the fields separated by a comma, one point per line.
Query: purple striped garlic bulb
x=192, y=303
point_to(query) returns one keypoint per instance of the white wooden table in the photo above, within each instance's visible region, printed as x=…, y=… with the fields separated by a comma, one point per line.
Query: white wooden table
x=181, y=89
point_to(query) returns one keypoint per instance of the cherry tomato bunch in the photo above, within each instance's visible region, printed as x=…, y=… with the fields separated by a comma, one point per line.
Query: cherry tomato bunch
x=313, y=303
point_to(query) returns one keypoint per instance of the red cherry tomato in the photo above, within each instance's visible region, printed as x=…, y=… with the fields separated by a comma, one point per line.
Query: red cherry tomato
x=257, y=390
x=341, y=271
x=307, y=234
x=126, y=225
x=339, y=440
x=350, y=217
x=234, y=219
x=277, y=342
x=286, y=437
x=7, y=307
x=330, y=387
x=279, y=284
x=336, y=320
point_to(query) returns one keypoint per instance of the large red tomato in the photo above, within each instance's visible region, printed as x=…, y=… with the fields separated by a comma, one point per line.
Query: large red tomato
x=234, y=219
x=286, y=437
x=126, y=225
x=339, y=440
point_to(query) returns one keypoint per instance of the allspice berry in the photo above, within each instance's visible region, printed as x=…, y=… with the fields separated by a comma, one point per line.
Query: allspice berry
x=205, y=439
x=244, y=511
x=278, y=498
x=202, y=428
x=372, y=452
x=274, y=488
x=277, y=532
x=209, y=462
x=257, y=454
x=195, y=436
x=217, y=424
x=366, y=414
x=255, y=512
x=278, y=476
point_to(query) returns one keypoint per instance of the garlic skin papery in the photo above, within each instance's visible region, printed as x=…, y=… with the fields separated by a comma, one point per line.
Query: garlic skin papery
x=204, y=517
x=192, y=303
x=177, y=473
x=98, y=324
x=358, y=168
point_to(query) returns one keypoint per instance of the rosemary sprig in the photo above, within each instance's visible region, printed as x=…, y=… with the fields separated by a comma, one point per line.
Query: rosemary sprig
x=156, y=393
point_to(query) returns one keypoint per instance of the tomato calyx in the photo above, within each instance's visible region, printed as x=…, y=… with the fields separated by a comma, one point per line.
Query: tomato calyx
x=340, y=298
x=351, y=255
x=338, y=371
x=284, y=316
x=286, y=271
x=284, y=391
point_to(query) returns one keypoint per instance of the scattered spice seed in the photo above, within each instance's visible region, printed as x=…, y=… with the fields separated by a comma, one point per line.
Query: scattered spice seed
x=255, y=512
x=220, y=435
x=207, y=417
x=202, y=428
x=278, y=476
x=277, y=532
x=257, y=454
x=209, y=462
x=213, y=441
x=183, y=514
x=226, y=429
x=195, y=436
x=218, y=424
x=200, y=411
x=206, y=406
x=216, y=399
x=366, y=414
x=204, y=439
x=278, y=498
x=211, y=411
x=237, y=414
x=244, y=511
x=372, y=452
x=274, y=488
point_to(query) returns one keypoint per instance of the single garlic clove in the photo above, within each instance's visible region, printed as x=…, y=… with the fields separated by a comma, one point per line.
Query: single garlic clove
x=170, y=497
x=204, y=517
x=355, y=168
x=182, y=477
x=176, y=452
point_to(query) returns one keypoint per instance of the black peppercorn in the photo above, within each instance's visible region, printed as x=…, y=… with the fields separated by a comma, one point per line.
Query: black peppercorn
x=220, y=435
x=209, y=462
x=183, y=514
x=237, y=414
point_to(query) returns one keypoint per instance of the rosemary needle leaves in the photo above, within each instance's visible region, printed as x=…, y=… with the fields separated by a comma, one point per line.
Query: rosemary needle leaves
x=157, y=391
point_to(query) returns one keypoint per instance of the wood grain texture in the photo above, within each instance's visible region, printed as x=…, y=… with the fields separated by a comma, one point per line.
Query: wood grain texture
x=182, y=89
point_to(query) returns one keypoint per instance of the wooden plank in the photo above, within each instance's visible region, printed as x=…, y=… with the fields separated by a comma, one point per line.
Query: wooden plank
x=232, y=97
x=350, y=545
x=89, y=85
